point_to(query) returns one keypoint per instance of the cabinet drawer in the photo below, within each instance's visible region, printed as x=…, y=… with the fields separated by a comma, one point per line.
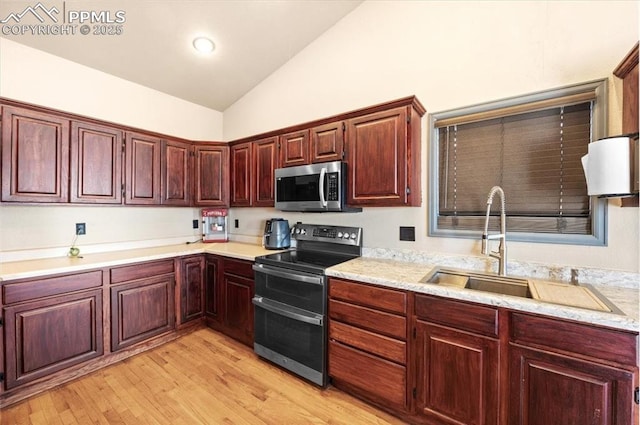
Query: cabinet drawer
x=603, y=344
x=373, y=320
x=238, y=267
x=383, y=346
x=141, y=270
x=369, y=296
x=458, y=314
x=384, y=380
x=41, y=288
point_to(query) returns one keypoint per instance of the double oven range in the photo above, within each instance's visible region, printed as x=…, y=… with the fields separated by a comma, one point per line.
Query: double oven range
x=291, y=298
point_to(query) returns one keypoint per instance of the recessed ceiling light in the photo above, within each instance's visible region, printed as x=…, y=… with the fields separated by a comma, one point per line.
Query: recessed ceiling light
x=203, y=45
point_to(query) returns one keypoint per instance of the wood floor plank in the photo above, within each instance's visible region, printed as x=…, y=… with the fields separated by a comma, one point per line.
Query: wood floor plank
x=201, y=378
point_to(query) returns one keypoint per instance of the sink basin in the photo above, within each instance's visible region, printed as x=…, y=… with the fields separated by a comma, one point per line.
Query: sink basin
x=486, y=282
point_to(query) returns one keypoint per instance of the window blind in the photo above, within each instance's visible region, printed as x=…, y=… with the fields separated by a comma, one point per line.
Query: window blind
x=534, y=156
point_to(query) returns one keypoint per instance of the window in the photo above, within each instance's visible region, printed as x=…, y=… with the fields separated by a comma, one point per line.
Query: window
x=531, y=146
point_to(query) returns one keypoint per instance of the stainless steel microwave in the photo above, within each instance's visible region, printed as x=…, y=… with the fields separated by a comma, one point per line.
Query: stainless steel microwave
x=312, y=188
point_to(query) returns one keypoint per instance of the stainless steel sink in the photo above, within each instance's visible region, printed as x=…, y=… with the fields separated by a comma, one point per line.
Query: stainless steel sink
x=486, y=282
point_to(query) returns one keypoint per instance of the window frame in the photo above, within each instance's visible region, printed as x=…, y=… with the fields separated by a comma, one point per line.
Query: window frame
x=598, y=236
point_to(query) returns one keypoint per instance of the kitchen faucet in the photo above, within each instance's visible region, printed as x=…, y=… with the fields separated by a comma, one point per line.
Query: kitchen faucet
x=501, y=254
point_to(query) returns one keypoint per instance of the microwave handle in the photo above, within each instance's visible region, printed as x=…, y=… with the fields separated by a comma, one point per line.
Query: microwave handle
x=323, y=173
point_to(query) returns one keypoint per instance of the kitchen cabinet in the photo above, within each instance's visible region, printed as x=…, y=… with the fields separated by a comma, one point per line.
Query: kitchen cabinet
x=96, y=163
x=265, y=159
x=51, y=324
x=176, y=173
x=191, y=289
x=383, y=156
x=35, y=156
x=327, y=142
x=142, y=302
x=368, y=342
x=457, y=355
x=627, y=70
x=211, y=175
x=212, y=288
x=142, y=173
x=562, y=372
x=294, y=148
x=241, y=175
x=232, y=314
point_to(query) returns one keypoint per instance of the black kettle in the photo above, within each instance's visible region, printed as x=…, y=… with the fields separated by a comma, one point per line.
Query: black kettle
x=276, y=234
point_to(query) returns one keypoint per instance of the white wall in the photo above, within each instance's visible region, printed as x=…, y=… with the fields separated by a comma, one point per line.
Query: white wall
x=449, y=54
x=33, y=76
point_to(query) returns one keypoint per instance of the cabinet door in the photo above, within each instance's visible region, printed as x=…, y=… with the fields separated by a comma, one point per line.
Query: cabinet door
x=548, y=389
x=141, y=309
x=238, y=309
x=192, y=289
x=265, y=153
x=457, y=376
x=35, y=156
x=294, y=148
x=52, y=334
x=241, y=175
x=377, y=158
x=213, y=288
x=176, y=173
x=211, y=176
x=142, y=174
x=327, y=142
x=96, y=164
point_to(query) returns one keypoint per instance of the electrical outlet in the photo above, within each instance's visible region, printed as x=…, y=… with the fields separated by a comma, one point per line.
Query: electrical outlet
x=407, y=233
x=236, y=223
x=81, y=228
x=195, y=224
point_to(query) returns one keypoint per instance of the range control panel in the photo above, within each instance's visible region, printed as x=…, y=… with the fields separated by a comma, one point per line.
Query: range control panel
x=344, y=235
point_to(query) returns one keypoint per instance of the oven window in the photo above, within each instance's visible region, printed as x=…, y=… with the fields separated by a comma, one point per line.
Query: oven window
x=307, y=296
x=299, y=341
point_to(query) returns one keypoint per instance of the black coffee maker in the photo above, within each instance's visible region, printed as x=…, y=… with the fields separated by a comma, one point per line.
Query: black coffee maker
x=276, y=234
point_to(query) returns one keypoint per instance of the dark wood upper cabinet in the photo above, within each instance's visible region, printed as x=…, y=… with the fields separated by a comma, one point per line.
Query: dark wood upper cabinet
x=627, y=70
x=176, y=173
x=35, y=156
x=327, y=142
x=265, y=154
x=294, y=148
x=142, y=173
x=241, y=175
x=383, y=159
x=96, y=163
x=211, y=175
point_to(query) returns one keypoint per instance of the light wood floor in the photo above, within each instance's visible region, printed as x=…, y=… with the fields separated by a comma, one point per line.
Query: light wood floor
x=201, y=378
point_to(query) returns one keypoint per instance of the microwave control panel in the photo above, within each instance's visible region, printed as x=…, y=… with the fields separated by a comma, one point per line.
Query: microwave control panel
x=332, y=187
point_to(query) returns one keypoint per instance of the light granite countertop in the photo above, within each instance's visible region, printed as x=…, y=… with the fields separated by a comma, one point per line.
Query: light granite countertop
x=384, y=272
x=47, y=266
x=407, y=275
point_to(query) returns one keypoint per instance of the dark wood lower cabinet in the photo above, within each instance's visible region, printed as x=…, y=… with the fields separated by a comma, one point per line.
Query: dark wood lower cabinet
x=141, y=309
x=229, y=291
x=48, y=335
x=552, y=389
x=457, y=376
x=238, y=310
x=192, y=280
x=212, y=287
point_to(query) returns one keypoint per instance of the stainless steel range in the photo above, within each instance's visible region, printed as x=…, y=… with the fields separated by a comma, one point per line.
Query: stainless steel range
x=291, y=298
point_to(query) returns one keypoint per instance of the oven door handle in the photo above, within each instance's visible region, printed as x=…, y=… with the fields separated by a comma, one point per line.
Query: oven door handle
x=291, y=275
x=282, y=310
